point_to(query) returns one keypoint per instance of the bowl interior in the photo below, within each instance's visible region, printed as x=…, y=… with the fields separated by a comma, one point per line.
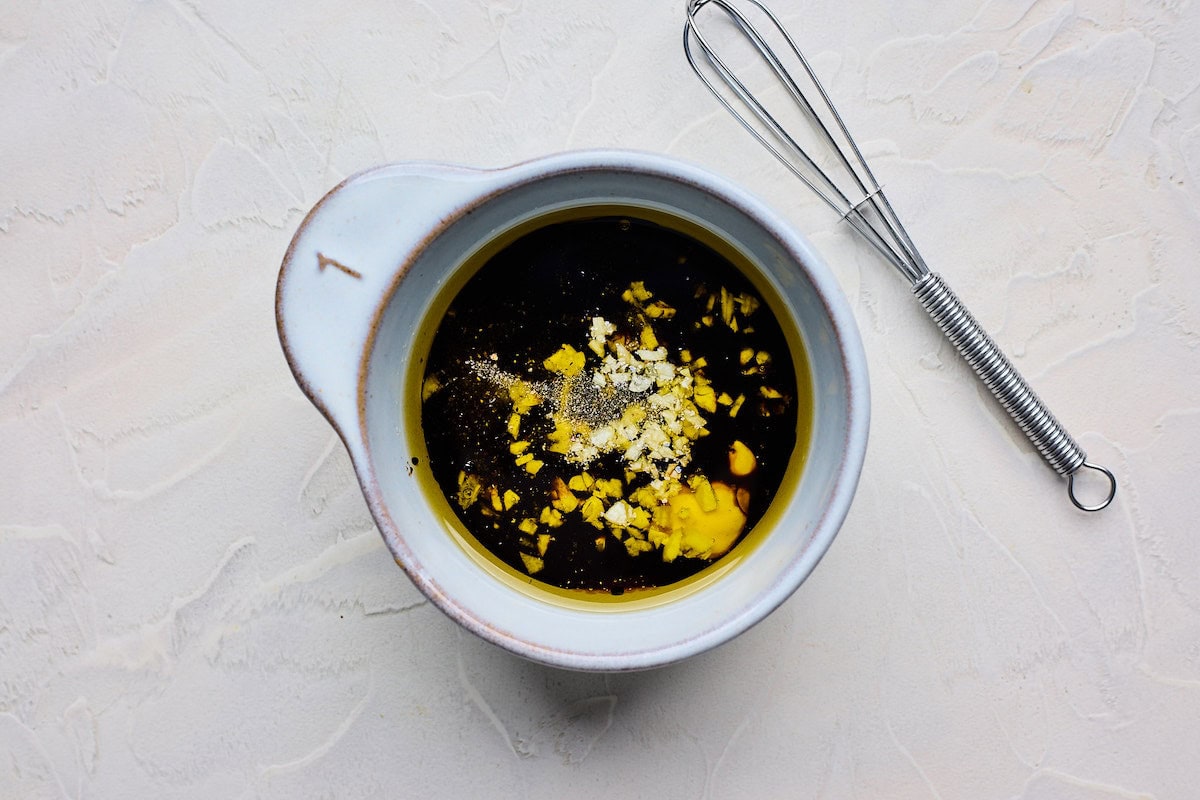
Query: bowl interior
x=431, y=544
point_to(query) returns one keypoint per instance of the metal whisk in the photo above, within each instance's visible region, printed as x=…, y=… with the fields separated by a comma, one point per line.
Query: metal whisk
x=858, y=199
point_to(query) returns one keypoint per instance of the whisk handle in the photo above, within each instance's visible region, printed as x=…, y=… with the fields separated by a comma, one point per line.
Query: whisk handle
x=1060, y=451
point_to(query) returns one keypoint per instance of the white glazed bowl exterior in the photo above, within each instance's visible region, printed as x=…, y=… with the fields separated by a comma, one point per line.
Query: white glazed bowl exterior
x=403, y=230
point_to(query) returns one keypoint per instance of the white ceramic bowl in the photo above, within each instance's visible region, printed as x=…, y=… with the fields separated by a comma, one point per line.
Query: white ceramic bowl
x=352, y=301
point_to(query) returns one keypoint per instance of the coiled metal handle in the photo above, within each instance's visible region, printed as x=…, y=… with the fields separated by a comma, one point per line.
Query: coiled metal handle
x=1061, y=452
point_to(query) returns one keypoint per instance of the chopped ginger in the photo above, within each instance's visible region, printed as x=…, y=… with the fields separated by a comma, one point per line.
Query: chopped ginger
x=659, y=310
x=581, y=483
x=636, y=546
x=567, y=361
x=533, y=564
x=705, y=496
x=737, y=405
x=592, y=510
x=704, y=397
x=747, y=303
x=468, y=490
x=636, y=293
x=523, y=397
x=561, y=497
x=741, y=461
x=610, y=487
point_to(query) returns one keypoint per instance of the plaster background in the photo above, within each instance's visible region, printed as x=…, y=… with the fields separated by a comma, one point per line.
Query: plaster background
x=194, y=602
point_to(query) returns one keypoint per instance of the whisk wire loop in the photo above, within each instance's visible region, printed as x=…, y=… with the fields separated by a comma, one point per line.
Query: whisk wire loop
x=881, y=227
x=872, y=216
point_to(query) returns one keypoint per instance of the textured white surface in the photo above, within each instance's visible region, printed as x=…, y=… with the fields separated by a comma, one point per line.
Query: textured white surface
x=194, y=602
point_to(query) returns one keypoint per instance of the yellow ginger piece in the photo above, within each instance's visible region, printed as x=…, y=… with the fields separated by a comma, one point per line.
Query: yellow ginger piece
x=705, y=397
x=659, y=310
x=497, y=500
x=609, y=487
x=747, y=303
x=582, y=482
x=741, y=460
x=468, y=490
x=543, y=543
x=551, y=517
x=533, y=564
x=514, y=425
x=430, y=387
x=523, y=396
x=647, y=338
x=636, y=546
x=517, y=448
x=769, y=393
x=705, y=496
x=560, y=438
x=528, y=525
x=637, y=293
x=533, y=466
x=562, y=498
x=661, y=520
x=511, y=498
x=727, y=307
x=645, y=496
x=672, y=545
x=592, y=511
x=639, y=518
x=634, y=415
x=568, y=361
x=737, y=405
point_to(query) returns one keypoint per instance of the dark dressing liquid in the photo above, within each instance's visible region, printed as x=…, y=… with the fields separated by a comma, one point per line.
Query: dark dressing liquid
x=541, y=292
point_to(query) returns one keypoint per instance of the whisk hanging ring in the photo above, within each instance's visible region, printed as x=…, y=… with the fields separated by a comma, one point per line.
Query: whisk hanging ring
x=873, y=217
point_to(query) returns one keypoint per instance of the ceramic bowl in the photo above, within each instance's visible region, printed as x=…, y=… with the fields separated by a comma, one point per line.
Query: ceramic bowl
x=353, y=309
